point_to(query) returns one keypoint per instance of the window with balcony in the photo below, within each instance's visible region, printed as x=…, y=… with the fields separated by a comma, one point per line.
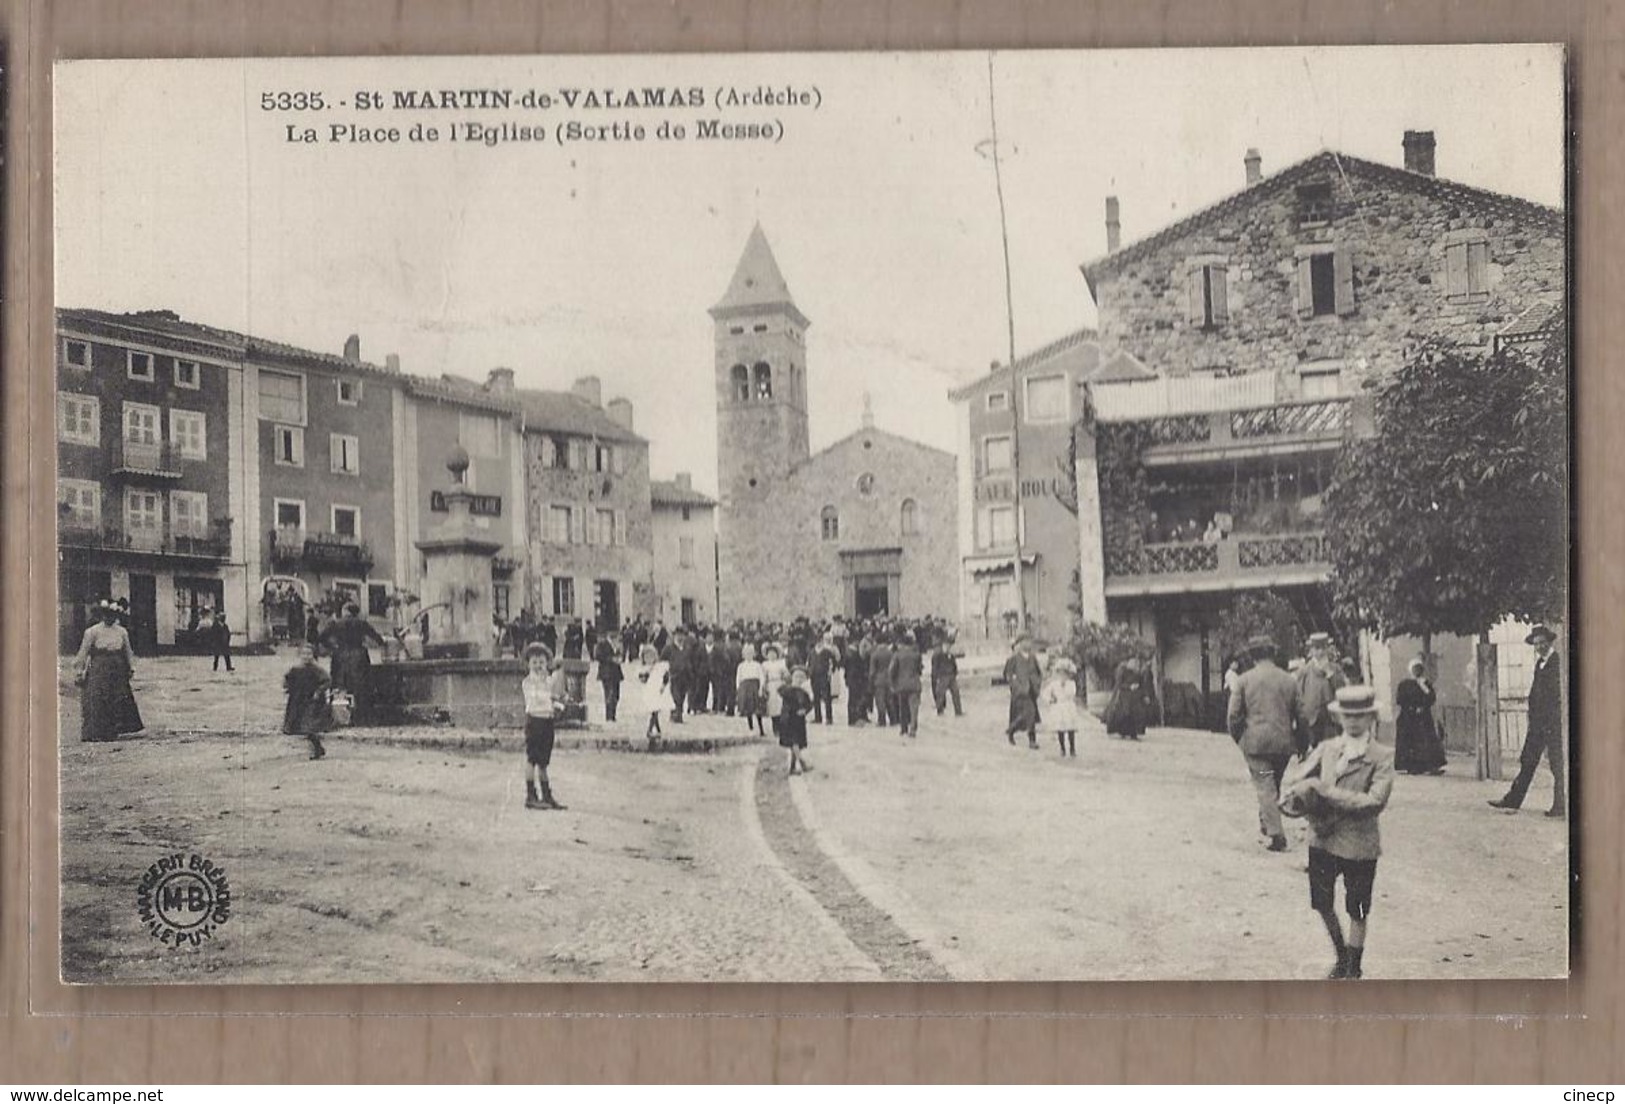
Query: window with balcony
x=138, y=366
x=282, y=397
x=188, y=374
x=143, y=519
x=189, y=513
x=288, y=446
x=1047, y=399
x=80, y=504
x=347, y=522
x=290, y=513
x=997, y=454
x=76, y=354
x=79, y=419
x=829, y=523
x=188, y=433
x=140, y=424
x=344, y=454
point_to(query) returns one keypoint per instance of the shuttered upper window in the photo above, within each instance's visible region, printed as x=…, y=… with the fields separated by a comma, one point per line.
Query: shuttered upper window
x=1325, y=281
x=1207, y=293
x=1467, y=266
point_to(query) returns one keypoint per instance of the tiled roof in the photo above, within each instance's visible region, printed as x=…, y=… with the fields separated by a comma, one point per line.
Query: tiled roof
x=665, y=492
x=165, y=326
x=1322, y=163
x=1084, y=338
x=462, y=392
x=566, y=412
x=170, y=325
x=1538, y=319
x=1121, y=367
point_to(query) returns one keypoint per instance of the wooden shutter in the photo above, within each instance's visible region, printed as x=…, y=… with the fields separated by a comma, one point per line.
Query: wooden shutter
x=1195, y=307
x=617, y=459
x=589, y=527
x=1477, y=267
x=1218, y=281
x=1343, y=276
x=620, y=523
x=1306, y=285
x=1455, y=268
x=578, y=525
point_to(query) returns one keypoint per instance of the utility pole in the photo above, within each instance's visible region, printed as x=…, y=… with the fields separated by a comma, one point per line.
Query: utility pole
x=1015, y=383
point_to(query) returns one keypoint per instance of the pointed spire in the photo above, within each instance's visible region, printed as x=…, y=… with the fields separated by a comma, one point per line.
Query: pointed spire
x=757, y=281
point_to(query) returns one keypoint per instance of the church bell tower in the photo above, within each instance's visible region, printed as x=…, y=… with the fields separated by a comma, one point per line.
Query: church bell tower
x=761, y=388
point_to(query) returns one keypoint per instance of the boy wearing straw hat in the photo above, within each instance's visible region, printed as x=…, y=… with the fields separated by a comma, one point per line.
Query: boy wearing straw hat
x=1342, y=786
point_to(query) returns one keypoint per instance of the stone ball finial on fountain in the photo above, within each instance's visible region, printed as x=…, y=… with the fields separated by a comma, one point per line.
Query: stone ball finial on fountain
x=457, y=463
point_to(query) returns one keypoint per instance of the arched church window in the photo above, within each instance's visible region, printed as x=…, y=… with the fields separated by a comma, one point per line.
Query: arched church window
x=910, y=517
x=829, y=523
x=741, y=383
x=764, y=380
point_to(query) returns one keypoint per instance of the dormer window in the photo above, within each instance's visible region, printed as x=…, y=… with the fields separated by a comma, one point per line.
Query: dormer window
x=1315, y=203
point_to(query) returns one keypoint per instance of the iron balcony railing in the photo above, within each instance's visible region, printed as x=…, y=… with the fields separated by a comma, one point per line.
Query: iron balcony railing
x=114, y=538
x=1283, y=427
x=314, y=548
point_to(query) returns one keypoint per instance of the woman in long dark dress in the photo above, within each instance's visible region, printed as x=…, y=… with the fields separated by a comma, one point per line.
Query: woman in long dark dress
x=1417, y=747
x=1129, y=712
x=105, y=662
x=346, y=640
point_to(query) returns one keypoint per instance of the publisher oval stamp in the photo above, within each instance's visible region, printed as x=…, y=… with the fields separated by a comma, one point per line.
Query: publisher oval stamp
x=183, y=898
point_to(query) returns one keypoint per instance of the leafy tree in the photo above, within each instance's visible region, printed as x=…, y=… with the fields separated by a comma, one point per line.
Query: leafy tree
x=1261, y=614
x=1098, y=648
x=1454, y=513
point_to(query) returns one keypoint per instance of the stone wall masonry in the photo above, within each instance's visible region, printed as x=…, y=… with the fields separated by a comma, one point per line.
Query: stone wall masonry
x=1397, y=239
x=631, y=563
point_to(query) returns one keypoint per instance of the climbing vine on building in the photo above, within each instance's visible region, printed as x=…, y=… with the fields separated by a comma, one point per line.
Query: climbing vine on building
x=1123, y=493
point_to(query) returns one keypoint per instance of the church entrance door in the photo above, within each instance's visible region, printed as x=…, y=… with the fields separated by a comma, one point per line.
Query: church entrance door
x=871, y=596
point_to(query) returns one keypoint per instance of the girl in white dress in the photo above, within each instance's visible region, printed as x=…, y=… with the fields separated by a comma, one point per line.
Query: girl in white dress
x=655, y=693
x=1058, y=704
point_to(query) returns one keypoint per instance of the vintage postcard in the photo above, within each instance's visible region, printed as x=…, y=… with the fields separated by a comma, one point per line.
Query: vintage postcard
x=948, y=516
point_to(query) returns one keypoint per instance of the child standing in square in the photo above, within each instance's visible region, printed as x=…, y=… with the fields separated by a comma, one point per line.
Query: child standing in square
x=1058, y=704
x=795, y=703
x=307, y=711
x=540, y=709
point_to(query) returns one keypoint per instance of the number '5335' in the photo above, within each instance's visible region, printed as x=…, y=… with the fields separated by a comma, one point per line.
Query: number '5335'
x=291, y=101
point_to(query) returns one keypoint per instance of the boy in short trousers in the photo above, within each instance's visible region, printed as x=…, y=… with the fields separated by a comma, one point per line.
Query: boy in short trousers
x=1342, y=786
x=540, y=708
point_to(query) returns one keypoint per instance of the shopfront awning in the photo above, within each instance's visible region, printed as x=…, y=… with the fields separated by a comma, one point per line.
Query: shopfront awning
x=981, y=566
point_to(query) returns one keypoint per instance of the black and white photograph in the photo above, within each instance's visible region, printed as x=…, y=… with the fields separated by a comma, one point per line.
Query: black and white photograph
x=945, y=516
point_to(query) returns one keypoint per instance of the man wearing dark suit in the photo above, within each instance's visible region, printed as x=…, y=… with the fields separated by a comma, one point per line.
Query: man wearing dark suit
x=699, y=671
x=676, y=656
x=856, y=665
x=904, y=675
x=724, y=664
x=1262, y=708
x=1545, y=735
x=880, y=678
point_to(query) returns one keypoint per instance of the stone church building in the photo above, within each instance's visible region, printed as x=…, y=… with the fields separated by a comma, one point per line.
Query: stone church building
x=866, y=527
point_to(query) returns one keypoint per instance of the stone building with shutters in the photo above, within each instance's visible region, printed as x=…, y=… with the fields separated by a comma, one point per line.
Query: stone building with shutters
x=864, y=528
x=685, y=551
x=1264, y=315
x=150, y=474
x=587, y=512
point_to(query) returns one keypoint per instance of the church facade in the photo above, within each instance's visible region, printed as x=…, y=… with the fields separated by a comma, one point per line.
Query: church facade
x=866, y=527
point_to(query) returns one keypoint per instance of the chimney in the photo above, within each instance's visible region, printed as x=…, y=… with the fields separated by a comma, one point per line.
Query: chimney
x=621, y=411
x=1419, y=151
x=685, y=480
x=1114, y=231
x=352, y=347
x=499, y=379
x=1255, y=167
x=589, y=388
x=392, y=362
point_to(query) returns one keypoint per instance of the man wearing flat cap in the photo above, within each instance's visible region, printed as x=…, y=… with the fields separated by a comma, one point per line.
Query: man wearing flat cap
x=1263, y=708
x=1545, y=735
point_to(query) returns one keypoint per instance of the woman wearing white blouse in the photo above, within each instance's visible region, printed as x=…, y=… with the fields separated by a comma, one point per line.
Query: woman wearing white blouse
x=103, y=667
